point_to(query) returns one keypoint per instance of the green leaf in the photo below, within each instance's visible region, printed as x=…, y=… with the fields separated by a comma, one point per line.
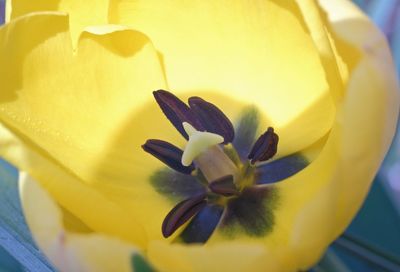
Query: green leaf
x=331, y=263
x=140, y=264
x=16, y=243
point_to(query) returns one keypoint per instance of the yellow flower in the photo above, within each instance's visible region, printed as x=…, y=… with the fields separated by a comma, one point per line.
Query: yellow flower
x=76, y=105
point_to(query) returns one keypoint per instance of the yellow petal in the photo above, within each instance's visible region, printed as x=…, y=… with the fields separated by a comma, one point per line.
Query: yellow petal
x=75, y=109
x=365, y=124
x=222, y=257
x=380, y=93
x=74, y=106
x=255, y=52
x=81, y=13
x=72, y=194
x=69, y=251
x=322, y=40
x=338, y=180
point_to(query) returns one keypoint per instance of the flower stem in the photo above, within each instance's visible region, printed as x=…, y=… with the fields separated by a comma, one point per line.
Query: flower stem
x=368, y=252
x=330, y=263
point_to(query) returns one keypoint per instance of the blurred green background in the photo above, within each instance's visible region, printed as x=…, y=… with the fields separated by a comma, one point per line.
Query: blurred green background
x=371, y=243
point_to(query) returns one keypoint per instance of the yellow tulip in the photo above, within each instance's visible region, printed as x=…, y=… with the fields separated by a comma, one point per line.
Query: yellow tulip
x=76, y=106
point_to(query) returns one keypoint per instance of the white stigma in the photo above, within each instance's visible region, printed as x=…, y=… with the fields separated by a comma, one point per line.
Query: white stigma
x=199, y=141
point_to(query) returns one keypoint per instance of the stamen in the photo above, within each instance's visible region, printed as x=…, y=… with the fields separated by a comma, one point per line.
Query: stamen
x=168, y=154
x=233, y=199
x=202, y=115
x=212, y=118
x=176, y=111
x=181, y=213
x=198, y=142
x=224, y=186
x=265, y=147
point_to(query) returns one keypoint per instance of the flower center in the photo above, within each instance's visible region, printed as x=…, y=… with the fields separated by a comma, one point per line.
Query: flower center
x=204, y=149
x=218, y=180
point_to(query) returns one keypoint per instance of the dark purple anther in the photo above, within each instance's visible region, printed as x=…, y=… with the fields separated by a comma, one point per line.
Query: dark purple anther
x=265, y=147
x=224, y=186
x=176, y=111
x=168, y=154
x=212, y=118
x=182, y=213
x=202, y=115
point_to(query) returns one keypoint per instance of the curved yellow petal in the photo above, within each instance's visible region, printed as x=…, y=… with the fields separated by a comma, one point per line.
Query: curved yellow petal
x=223, y=257
x=324, y=43
x=74, y=105
x=81, y=13
x=79, y=111
x=71, y=193
x=258, y=52
x=365, y=124
x=380, y=93
x=69, y=251
x=340, y=178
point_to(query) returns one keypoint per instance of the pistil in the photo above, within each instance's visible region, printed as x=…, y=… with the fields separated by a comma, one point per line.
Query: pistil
x=203, y=148
x=215, y=164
